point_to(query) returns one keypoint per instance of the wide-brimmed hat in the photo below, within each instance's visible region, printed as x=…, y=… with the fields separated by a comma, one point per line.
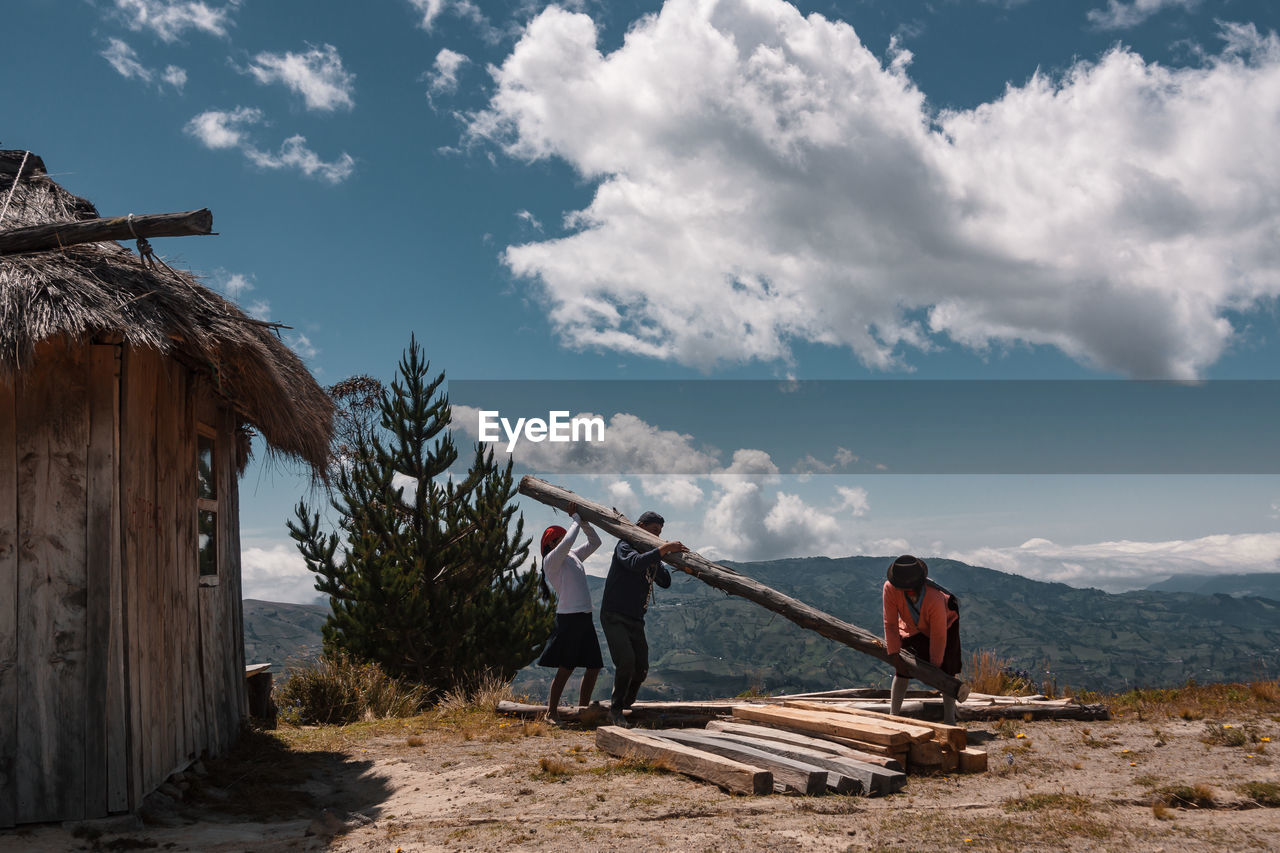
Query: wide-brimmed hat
x=907, y=572
x=550, y=537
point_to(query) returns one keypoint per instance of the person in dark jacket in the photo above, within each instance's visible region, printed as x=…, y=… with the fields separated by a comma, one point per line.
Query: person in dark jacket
x=627, y=590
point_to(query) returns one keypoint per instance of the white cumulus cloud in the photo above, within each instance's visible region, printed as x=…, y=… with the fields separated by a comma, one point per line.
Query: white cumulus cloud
x=219, y=129
x=222, y=128
x=294, y=154
x=277, y=573
x=443, y=77
x=1119, y=15
x=764, y=179
x=124, y=59
x=169, y=19
x=317, y=75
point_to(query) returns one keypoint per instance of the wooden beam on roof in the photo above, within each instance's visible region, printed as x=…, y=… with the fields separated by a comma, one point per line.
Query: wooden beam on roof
x=732, y=582
x=57, y=235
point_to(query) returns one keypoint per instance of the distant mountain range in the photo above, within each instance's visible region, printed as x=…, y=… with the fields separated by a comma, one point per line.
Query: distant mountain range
x=707, y=644
x=1262, y=584
x=282, y=634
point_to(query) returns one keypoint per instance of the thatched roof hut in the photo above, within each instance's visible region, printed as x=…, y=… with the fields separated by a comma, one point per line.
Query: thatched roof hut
x=103, y=290
x=126, y=392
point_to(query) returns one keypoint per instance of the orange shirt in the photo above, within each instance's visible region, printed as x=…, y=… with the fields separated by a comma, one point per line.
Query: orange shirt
x=935, y=619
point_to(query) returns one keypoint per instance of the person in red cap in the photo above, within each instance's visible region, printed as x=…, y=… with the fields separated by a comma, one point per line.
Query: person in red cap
x=573, y=643
x=924, y=619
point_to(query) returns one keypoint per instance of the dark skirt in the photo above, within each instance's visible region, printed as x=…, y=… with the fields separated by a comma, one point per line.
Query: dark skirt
x=573, y=643
x=918, y=645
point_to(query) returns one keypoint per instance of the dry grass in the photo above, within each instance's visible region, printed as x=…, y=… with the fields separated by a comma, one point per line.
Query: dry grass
x=1197, y=796
x=631, y=763
x=1265, y=794
x=989, y=673
x=1193, y=701
x=552, y=769
x=338, y=689
x=1061, y=801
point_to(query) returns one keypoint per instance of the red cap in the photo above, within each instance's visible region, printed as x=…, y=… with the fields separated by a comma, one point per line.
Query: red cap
x=550, y=537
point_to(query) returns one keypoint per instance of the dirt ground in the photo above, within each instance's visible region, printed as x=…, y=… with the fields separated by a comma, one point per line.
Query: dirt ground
x=490, y=784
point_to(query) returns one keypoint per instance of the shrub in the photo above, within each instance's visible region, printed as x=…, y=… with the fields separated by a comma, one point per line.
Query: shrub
x=1197, y=796
x=1263, y=793
x=339, y=690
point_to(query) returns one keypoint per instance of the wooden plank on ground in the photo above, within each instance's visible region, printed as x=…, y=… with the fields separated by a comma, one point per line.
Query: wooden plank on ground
x=733, y=776
x=824, y=722
x=916, y=732
x=53, y=439
x=871, y=778
x=799, y=776
x=8, y=602
x=786, y=736
x=953, y=735
x=973, y=760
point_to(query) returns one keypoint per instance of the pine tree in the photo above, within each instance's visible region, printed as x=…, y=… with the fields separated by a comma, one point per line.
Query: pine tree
x=430, y=582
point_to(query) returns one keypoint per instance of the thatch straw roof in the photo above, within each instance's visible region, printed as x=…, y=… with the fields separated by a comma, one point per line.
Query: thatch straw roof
x=103, y=290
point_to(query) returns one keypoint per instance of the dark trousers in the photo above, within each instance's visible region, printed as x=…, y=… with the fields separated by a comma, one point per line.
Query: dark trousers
x=630, y=653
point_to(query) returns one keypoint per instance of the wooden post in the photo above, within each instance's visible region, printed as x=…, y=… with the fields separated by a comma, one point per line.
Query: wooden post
x=734, y=583
x=57, y=235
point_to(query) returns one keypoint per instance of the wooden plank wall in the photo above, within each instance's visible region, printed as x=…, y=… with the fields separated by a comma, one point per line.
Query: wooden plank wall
x=138, y=496
x=117, y=666
x=8, y=603
x=52, y=440
x=104, y=728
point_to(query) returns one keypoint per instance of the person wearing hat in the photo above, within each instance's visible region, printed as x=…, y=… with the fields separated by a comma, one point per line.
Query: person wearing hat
x=573, y=643
x=627, y=591
x=924, y=619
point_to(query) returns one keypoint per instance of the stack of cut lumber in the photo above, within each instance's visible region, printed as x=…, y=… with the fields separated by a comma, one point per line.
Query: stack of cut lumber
x=802, y=747
x=919, y=746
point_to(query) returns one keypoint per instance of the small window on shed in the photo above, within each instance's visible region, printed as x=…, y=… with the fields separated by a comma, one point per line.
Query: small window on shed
x=207, y=506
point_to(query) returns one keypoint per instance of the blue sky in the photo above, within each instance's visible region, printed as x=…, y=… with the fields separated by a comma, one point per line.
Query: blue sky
x=685, y=191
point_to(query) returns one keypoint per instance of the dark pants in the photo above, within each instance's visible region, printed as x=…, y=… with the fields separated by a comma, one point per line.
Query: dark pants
x=918, y=645
x=630, y=653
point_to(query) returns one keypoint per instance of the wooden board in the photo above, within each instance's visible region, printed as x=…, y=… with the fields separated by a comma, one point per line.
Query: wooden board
x=973, y=760
x=802, y=777
x=53, y=437
x=823, y=722
x=871, y=778
x=117, y=707
x=138, y=518
x=171, y=614
x=764, y=732
x=733, y=776
x=953, y=735
x=100, y=490
x=916, y=732
x=8, y=603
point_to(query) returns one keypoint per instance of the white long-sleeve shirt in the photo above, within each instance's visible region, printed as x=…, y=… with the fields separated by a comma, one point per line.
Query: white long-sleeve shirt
x=565, y=572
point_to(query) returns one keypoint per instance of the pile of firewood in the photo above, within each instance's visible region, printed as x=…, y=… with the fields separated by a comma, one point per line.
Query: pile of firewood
x=802, y=747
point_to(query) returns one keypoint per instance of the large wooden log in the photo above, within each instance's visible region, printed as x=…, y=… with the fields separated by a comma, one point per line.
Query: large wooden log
x=732, y=582
x=733, y=776
x=56, y=235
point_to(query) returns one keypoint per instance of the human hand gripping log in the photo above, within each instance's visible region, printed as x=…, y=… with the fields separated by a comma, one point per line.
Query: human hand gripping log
x=732, y=582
